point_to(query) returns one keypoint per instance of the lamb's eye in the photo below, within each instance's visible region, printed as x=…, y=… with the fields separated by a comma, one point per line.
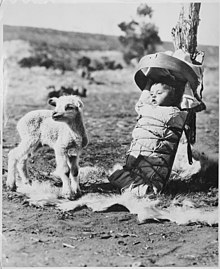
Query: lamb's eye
x=69, y=107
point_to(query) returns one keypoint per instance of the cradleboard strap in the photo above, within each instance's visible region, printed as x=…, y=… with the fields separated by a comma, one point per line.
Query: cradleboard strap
x=189, y=150
x=190, y=127
x=139, y=169
x=132, y=166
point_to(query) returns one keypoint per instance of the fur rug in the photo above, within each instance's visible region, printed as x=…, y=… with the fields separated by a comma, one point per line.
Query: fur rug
x=180, y=210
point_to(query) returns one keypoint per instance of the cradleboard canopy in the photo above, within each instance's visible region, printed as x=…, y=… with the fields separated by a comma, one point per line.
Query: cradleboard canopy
x=155, y=66
x=152, y=66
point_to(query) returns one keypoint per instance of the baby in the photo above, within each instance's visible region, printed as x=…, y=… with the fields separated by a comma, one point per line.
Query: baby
x=155, y=138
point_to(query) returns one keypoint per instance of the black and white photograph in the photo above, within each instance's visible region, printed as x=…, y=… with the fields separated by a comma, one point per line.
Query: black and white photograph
x=109, y=133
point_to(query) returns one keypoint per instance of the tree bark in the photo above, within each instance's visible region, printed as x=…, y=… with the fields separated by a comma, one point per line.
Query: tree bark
x=185, y=32
x=185, y=37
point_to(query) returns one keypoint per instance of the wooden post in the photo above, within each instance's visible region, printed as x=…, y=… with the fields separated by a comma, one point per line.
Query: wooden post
x=185, y=32
x=185, y=37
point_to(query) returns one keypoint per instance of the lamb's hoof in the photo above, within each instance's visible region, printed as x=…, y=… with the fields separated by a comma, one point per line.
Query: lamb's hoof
x=66, y=194
x=76, y=195
x=71, y=195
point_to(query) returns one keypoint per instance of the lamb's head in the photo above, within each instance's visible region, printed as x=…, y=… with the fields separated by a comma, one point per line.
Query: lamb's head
x=67, y=108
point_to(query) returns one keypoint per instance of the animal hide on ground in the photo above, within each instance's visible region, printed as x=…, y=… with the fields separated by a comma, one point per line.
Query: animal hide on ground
x=184, y=212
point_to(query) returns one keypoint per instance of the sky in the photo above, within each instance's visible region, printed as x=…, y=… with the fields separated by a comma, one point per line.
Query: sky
x=103, y=16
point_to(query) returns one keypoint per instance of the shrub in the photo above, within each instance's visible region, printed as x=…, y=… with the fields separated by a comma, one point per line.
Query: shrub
x=140, y=37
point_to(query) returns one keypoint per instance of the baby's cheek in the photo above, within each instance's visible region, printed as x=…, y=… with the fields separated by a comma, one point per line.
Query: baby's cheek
x=145, y=97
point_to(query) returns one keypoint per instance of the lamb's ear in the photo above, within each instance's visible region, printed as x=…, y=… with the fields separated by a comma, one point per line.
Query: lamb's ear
x=80, y=103
x=52, y=101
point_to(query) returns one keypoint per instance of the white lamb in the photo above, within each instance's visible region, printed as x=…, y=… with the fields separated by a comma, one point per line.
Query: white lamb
x=63, y=130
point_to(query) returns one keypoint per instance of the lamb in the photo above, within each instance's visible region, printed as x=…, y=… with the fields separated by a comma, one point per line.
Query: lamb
x=63, y=130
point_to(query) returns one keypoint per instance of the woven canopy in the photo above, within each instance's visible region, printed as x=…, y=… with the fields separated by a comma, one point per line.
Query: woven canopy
x=156, y=66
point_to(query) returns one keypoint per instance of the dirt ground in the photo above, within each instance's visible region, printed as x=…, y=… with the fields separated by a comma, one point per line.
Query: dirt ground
x=47, y=237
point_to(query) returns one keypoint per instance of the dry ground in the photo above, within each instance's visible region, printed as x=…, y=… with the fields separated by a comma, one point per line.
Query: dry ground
x=43, y=236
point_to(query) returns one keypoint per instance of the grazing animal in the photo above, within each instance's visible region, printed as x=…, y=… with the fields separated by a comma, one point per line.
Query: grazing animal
x=51, y=87
x=76, y=90
x=67, y=91
x=82, y=92
x=63, y=130
x=53, y=93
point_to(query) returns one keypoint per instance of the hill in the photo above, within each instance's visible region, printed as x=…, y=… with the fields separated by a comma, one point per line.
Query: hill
x=55, y=41
x=61, y=39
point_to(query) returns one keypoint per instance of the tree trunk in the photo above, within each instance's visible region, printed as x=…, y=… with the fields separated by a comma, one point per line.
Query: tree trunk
x=185, y=37
x=185, y=32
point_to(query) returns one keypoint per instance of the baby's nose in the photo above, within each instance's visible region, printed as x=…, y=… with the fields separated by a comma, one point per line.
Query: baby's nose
x=153, y=95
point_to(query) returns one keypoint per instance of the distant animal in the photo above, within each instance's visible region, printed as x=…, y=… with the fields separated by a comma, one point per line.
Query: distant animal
x=82, y=92
x=51, y=87
x=76, y=90
x=54, y=93
x=63, y=130
x=66, y=91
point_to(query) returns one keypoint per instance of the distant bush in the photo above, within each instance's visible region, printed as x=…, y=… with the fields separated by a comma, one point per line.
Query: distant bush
x=112, y=65
x=102, y=63
x=96, y=65
x=83, y=61
x=46, y=61
x=140, y=35
x=65, y=64
x=38, y=60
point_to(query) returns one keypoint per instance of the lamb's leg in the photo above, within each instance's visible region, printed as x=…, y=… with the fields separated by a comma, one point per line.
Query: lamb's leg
x=12, y=162
x=22, y=169
x=74, y=174
x=16, y=155
x=55, y=174
x=62, y=171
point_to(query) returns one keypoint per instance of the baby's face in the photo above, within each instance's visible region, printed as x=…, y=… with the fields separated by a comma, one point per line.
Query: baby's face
x=161, y=95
